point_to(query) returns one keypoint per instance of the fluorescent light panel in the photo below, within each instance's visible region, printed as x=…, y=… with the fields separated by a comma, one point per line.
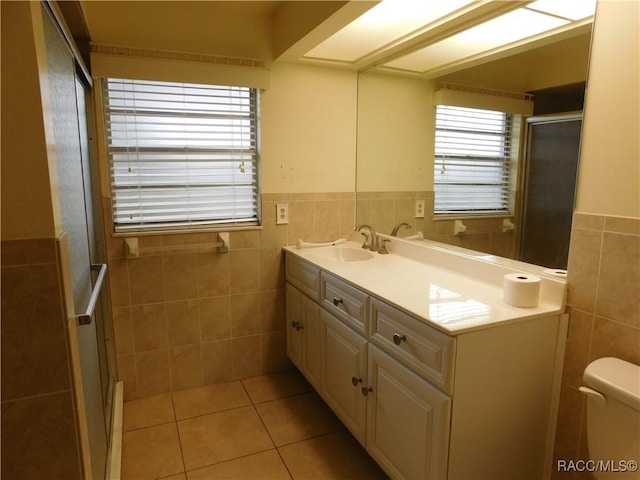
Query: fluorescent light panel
x=570, y=9
x=383, y=24
x=503, y=30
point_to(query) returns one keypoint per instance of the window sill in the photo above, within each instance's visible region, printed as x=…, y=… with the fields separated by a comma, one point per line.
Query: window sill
x=182, y=231
x=462, y=216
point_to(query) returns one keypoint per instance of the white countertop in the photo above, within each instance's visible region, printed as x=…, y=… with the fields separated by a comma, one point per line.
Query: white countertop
x=447, y=289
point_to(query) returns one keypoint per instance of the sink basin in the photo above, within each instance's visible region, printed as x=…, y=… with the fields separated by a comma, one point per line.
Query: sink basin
x=344, y=254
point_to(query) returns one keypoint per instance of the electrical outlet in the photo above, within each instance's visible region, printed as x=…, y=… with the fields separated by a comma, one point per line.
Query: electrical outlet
x=282, y=213
x=419, y=208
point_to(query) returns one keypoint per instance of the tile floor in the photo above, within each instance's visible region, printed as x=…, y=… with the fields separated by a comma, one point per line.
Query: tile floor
x=267, y=427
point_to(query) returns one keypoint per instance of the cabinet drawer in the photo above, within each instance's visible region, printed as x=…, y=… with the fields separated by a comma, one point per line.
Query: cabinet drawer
x=423, y=349
x=304, y=276
x=346, y=302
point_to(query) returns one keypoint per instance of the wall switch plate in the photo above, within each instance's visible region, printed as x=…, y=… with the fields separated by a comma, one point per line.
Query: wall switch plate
x=282, y=213
x=419, y=208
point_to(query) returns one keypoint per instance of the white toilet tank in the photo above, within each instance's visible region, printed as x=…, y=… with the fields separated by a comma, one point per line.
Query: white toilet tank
x=613, y=418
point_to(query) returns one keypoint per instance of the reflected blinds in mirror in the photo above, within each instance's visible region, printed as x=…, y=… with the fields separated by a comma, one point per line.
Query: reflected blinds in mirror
x=181, y=154
x=472, y=160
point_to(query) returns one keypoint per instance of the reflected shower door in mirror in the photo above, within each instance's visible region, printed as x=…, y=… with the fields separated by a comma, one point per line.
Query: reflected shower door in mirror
x=396, y=149
x=549, y=189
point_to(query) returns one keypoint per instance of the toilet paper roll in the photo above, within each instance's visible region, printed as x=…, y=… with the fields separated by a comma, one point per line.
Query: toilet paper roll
x=521, y=290
x=556, y=272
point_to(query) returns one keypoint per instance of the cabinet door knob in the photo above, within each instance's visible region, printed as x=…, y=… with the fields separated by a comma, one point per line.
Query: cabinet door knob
x=398, y=339
x=356, y=381
x=366, y=390
x=337, y=301
x=294, y=324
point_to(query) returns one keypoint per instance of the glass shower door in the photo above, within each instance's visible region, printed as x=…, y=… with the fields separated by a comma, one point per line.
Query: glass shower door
x=74, y=176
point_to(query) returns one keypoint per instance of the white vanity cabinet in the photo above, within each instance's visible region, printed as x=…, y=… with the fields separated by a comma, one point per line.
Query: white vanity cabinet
x=398, y=416
x=479, y=403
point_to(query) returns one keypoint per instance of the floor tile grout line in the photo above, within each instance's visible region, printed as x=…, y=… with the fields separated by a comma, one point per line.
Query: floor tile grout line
x=284, y=463
x=149, y=426
x=213, y=412
x=175, y=420
x=170, y=476
x=320, y=435
x=246, y=391
x=289, y=395
x=231, y=459
x=277, y=449
x=264, y=425
x=253, y=404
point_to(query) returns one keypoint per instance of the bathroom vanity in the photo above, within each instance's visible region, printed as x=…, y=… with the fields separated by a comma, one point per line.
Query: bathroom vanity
x=418, y=355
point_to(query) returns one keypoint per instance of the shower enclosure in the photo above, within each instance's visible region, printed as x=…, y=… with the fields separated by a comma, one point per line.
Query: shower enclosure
x=77, y=180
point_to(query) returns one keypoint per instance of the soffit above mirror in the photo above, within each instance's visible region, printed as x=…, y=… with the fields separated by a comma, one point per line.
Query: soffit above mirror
x=262, y=29
x=431, y=39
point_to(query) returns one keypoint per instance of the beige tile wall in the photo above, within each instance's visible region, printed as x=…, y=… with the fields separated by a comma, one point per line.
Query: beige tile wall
x=604, y=297
x=383, y=210
x=39, y=437
x=190, y=318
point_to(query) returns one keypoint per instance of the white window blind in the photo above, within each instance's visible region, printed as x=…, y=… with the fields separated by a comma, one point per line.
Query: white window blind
x=181, y=155
x=472, y=160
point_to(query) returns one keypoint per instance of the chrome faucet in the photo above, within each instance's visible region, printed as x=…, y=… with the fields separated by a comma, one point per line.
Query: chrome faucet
x=394, y=232
x=373, y=235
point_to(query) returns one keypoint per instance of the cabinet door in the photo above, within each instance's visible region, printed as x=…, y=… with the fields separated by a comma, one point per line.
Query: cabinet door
x=304, y=333
x=311, y=341
x=294, y=321
x=408, y=421
x=345, y=374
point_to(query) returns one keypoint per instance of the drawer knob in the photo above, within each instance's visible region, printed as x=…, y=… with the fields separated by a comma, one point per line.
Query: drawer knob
x=398, y=339
x=366, y=390
x=337, y=301
x=355, y=381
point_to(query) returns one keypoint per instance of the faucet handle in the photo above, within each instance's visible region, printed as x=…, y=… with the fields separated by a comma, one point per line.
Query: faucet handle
x=383, y=247
x=366, y=240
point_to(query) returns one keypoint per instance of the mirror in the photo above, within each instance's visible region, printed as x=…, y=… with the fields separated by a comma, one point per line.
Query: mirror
x=395, y=145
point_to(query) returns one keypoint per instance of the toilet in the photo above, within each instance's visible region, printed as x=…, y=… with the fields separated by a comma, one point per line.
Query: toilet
x=613, y=418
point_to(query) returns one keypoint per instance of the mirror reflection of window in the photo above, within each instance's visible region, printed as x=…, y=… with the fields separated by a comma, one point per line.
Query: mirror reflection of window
x=472, y=168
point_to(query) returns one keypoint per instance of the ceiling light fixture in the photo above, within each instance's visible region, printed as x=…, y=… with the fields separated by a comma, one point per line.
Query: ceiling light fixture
x=383, y=24
x=497, y=32
x=392, y=23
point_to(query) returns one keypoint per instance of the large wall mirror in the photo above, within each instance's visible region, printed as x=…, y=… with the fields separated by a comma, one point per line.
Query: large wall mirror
x=395, y=152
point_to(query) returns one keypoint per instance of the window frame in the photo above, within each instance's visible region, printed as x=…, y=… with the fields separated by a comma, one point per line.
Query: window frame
x=212, y=161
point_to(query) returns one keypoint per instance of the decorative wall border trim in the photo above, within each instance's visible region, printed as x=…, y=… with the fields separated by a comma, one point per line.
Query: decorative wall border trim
x=169, y=55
